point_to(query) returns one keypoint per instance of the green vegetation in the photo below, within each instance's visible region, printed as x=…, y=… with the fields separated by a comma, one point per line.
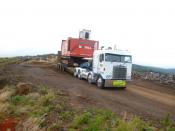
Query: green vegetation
x=168, y=124
x=143, y=69
x=19, y=100
x=46, y=109
x=104, y=120
x=33, y=104
x=5, y=61
x=3, y=64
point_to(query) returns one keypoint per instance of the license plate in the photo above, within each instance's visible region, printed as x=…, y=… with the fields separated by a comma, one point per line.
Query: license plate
x=119, y=83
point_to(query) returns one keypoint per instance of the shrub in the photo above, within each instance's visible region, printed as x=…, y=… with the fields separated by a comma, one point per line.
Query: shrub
x=105, y=120
x=19, y=100
x=94, y=120
x=81, y=120
x=168, y=123
x=65, y=115
x=136, y=124
x=43, y=90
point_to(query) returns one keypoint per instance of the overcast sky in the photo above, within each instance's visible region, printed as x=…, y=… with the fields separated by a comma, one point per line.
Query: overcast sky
x=145, y=27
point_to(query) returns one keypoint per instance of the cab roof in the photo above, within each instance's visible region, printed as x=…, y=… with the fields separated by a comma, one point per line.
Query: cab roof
x=111, y=51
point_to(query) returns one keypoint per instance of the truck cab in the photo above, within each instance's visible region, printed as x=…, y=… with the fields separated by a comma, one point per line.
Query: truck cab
x=108, y=68
x=112, y=68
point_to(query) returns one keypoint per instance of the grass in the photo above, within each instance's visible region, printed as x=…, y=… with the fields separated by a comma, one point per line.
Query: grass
x=19, y=100
x=32, y=104
x=45, y=109
x=5, y=61
x=168, y=124
x=105, y=120
x=65, y=115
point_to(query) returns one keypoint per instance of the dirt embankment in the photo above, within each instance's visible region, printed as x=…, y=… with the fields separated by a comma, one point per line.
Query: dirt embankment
x=141, y=98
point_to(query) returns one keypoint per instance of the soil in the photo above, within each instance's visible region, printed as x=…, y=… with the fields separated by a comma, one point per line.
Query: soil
x=142, y=98
x=9, y=124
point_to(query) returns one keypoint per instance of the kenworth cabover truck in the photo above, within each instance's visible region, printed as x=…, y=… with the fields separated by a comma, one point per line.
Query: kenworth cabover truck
x=107, y=68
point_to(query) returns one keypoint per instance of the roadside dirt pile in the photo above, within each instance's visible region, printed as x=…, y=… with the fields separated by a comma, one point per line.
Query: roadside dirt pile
x=48, y=58
x=24, y=88
x=165, y=79
x=136, y=75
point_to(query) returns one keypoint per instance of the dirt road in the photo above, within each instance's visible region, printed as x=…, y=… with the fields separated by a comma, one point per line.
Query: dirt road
x=141, y=98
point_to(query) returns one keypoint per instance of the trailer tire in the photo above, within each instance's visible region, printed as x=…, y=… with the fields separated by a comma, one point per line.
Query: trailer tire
x=62, y=68
x=89, y=78
x=100, y=82
x=58, y=66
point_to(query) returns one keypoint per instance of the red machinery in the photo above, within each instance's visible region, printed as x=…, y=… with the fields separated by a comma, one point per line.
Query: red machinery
x=73, y=50
x=78, y=47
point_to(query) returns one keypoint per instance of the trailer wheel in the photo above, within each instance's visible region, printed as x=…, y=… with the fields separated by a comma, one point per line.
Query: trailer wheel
x=58, y=66
x=62, y=68
x=79, y=75
x=90, y=78
x=100, y=82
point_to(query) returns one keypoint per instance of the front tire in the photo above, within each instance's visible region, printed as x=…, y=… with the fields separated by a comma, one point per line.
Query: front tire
x=90, y=79
x=100, y=82
x=75, y=73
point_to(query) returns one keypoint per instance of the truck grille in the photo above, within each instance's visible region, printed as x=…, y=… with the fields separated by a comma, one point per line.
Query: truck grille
x=119, y=72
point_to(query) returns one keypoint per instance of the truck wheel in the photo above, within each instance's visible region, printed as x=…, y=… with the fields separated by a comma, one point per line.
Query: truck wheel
x=79, y=75
x=58, y=66
x=63, y=69
x=75, y=74
x=90, y=78
x=100, y=82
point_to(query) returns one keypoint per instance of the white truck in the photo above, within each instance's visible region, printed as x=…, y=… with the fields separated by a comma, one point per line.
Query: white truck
x=107, y=68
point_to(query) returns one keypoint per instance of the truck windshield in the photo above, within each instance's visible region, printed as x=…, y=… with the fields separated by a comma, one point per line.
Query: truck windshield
x=117, y=58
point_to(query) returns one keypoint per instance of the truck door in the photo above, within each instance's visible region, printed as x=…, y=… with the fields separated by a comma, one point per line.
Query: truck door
x=100, y=63
x=95, y=63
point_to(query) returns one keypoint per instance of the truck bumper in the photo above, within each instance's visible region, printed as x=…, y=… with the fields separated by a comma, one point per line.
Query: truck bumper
x=115, y=83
